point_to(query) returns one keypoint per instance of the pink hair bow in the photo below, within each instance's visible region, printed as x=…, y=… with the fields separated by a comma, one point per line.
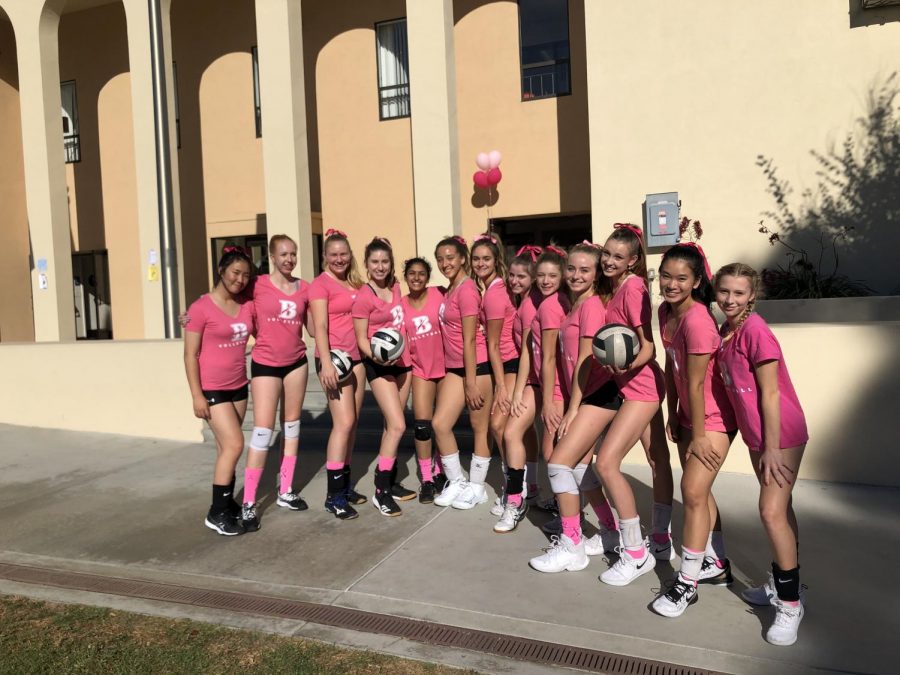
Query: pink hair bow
x=695, y=245
x=485, y=237
x=533, y=251
x=634, y=229
x=460, y=240
x=591, y=244
x=557, y=251
x=236, y=249
x=334, y=232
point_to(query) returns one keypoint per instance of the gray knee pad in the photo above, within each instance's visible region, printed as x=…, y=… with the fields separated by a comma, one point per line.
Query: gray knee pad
x=422, y=430
x=260, y=439
x=291, y=429
x=562, y=479
x=589, y=479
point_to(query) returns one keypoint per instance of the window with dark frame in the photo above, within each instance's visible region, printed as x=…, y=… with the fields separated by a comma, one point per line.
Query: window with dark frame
x=392, y=54
x=71, y=137
x=544, y=48
x=256, y=98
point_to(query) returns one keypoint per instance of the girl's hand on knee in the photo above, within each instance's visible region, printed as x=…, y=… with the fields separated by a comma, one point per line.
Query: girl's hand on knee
x=517, y=406
x=773, y=467
x=474, y=399
x=565, y=423
x=501, y=400
x=551, y=417
x=201, y=408
x=702, y=448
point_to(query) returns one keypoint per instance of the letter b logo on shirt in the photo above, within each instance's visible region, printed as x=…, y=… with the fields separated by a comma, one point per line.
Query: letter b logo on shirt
x=239, y=332
x=423, y=325
x=288, y=309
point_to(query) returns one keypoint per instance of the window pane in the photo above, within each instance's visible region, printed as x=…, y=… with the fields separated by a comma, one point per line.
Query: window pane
x=393, y=69
x=544, y=36
x=71, y=142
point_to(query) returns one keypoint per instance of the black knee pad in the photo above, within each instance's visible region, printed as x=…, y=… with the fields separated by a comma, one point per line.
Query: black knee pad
x=422, y=430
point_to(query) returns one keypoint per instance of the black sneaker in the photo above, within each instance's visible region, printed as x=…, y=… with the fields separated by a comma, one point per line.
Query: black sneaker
x=353, y=497
x=234, y=509
x=713, y=575
x=426, y=492
x=440, y=482
x=384, y=502
x=337, y=505
x=250, y=518
x=400, y=493
x=291, y=500
x=224, y=523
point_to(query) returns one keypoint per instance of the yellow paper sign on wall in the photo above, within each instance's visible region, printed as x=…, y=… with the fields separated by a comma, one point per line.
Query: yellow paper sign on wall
x=153, y=273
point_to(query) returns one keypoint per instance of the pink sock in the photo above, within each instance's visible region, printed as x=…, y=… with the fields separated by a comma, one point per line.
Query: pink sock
x=571, y=527
x=425, y=469
x=251, y=484
x=438, y=465
x=288, y=463
x=385, y=463
x=661, y=537
x=515, y=499
x=334, y=466
x=606, y=517
x=636, y=553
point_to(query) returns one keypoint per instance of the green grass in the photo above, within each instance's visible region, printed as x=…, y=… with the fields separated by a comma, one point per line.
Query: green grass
x=41, y=637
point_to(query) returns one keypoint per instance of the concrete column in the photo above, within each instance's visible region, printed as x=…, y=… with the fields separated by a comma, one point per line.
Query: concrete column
x=145, y=158
x=432, y=88
x=45, y=181
x=279, y=35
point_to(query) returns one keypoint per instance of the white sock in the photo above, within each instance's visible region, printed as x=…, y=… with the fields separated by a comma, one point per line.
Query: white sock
x=662, y=518
x=691, y=562
x=715, y=545
x=452, y=467
x=478, y=469
x=631, y=532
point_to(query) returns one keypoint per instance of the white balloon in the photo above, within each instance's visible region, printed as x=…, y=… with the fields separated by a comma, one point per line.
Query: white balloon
x=494, y=159
x=483, y=161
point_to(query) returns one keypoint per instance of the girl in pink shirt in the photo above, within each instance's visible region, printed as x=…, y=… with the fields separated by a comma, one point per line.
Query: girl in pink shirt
x=278, y=370
x=468, y=379
x=773, y=426
x=378, y=306
x=421, y=309
x=592, y=398
x=519, y=436
x=215, y=341
x=331, y=297
x=701, y=420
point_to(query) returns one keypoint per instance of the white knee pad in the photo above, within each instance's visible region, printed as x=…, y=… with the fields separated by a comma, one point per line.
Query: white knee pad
x=589, y=479
x=562, y=479
x=260, y=439
x=292, y=429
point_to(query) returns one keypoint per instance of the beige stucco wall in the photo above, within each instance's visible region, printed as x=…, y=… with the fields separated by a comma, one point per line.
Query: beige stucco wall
x=686, y=96
x=16, y=319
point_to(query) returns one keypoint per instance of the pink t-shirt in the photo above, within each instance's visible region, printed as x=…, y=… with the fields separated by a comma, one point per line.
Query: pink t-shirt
x=464, y=300
x=524, y=316
x=425, y=344
x=382, y=314
x=339, y=301
x=630, y=305
x=496, y=305
x=696, y=333
x=279, y=318
x=550, y=315
x=753, y=344
x=584, y=321
x=223, y=342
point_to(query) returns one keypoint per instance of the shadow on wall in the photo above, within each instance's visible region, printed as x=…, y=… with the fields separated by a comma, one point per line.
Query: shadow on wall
x=860, y=17
x=572, y=123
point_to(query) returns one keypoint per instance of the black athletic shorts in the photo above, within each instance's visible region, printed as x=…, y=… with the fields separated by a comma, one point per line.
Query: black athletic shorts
x=608, y=396
x=480, y=369
x=375, y=370
x=511, y=367
x=262, y=370
x=217, y=396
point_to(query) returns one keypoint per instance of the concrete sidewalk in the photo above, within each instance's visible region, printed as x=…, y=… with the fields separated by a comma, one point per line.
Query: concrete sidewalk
x=133, y=507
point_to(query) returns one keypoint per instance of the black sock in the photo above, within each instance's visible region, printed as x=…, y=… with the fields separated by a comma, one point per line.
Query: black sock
x=345, y=472
x=787, y=583
x=382, y=481
x=514, y=481
x=335, y=481
x=221, y=494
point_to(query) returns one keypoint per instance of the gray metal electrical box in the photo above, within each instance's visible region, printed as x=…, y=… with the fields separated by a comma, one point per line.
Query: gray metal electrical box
x=661, y=219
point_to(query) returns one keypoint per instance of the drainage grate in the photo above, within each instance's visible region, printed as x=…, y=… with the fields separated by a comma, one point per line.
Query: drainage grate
x=508, y=646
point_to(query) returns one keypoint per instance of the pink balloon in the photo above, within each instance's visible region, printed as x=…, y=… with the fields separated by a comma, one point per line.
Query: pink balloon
x=480, y=178
x=494, y=176
x=483, y=160
x=494, y=159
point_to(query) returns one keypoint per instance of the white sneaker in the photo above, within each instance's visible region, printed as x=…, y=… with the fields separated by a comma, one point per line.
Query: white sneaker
x=678, y=598
x=605, y=541
x=627, y=569
x=783, y=631
x=451, y=491
x=715, y=572
x=765, y=595
x=664, y=552
x=511, y=517
x=562, y=555
x=497, y=507
x=471, y=496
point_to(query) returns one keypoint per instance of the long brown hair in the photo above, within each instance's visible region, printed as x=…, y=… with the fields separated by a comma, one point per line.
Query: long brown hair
x=632, y=236
x=495, y=246
x=462, y=249
x=381, y=244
